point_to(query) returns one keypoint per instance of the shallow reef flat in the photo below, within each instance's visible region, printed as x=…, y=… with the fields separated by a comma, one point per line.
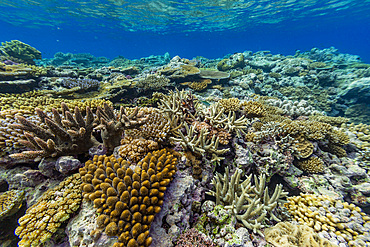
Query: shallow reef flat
x=252, y=149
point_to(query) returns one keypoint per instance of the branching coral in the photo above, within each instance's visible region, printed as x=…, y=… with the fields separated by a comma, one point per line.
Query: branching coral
x=250, y=204
x=126, y=197
x=112, y=126
x=199, y=144
x=71, y=135
x=51, y=210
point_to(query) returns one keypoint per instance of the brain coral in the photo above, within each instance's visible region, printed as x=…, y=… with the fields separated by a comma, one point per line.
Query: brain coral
x=128, y=197
x=51, y=210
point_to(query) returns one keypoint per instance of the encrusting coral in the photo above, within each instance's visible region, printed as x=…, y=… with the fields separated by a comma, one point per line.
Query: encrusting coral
x=251, y=205
x=324, y=213
x=128, y=197
x=10, y=202
x=51, y=210
x=286, y=234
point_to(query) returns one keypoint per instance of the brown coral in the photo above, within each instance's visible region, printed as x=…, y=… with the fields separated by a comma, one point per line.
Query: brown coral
x=68, y=135
x=126, y=197
x=253, y=109
x=10, y=202
x=231, y=104
x=311, y=165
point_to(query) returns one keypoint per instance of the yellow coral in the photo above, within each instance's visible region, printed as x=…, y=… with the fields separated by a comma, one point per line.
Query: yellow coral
x=10, y=202
x=51, y=210
x=126, y=197
x=253, y=109
x=313, y=211
x=231, y=104
x=285, y=234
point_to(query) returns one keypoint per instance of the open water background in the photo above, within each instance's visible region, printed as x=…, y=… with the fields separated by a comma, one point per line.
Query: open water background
x=212, y=29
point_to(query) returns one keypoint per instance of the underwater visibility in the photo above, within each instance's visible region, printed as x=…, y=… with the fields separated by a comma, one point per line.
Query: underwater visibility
x=185, y=123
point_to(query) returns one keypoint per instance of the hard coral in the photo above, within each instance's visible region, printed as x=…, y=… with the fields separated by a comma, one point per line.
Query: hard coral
x=135, y=149
x=10, y=203
x=18, y=49
x=311, y=165
x=324, y=213
x=127, y=197
x=51, y=210
x=68, y=135
x=285, y=234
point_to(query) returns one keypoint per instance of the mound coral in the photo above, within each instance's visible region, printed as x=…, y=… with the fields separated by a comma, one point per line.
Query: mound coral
x=51, y=210
x=126, y=197
x=20, y=50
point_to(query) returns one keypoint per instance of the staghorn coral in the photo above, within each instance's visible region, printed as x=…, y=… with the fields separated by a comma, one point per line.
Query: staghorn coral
x=251, y=205
x=126, y=197
x=135, y=149
x=198, y=143
x=286, y=234
x=20, y=50
x=312, y=165
x=71, y=134
x=10, y=202
x=324, y=213
x=51, y=210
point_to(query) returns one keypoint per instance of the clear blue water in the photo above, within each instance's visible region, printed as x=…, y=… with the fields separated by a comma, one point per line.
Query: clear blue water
x=211, y=29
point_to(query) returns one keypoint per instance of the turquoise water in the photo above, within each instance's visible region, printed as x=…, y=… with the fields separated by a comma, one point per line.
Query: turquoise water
x=187, y=28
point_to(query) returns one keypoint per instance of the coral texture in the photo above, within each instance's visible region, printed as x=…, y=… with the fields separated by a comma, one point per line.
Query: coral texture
x=127, y=198
x=51, y=210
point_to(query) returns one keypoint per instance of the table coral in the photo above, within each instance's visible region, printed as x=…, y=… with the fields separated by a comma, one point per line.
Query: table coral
x=55, y=206
x=127, y=197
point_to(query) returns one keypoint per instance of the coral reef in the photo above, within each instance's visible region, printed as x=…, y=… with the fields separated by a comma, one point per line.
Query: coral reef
x=10, y=202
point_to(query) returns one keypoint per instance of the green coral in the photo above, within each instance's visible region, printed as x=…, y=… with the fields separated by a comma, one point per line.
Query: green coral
x=20, y=50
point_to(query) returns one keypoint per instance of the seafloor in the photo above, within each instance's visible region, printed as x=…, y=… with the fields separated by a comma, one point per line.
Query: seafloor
x=252, y=149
